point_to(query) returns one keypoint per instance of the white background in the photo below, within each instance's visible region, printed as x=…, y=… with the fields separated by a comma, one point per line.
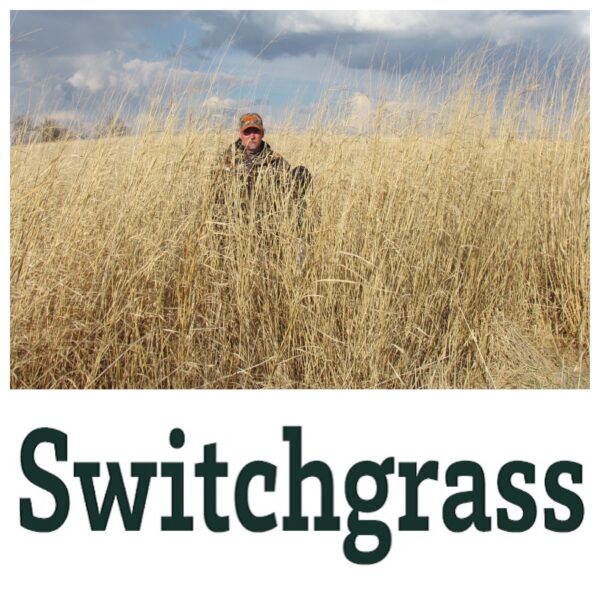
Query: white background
x=339, y=428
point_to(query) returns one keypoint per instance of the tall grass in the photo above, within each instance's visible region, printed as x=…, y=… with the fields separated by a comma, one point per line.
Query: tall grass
x=448, y=249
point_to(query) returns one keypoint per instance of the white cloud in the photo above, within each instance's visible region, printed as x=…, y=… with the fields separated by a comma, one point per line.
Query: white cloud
x=95, y=72
x=510, y=27
x=288, y=52
x=64, y=116
x=216, y=104
x=361, y=21
x=458, y=24
x=110, y=71
x=137, y=74
x=360, y=109
x=310, y=22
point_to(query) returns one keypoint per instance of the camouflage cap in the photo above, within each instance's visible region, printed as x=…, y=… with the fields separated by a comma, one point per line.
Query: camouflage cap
x=251, y=120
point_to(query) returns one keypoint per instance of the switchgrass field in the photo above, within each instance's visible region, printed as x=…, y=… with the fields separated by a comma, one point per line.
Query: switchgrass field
x=448, y=250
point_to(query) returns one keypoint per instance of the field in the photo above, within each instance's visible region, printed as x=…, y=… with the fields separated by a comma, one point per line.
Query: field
x=453, y=254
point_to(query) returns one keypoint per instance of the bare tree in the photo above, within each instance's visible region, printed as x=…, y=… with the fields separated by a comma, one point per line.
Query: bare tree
x=51, y=131
x=22, y=130
x=113, y=127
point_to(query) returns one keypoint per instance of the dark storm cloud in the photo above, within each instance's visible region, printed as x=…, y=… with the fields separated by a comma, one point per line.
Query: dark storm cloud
x=366, y=41
x=358, y=39
x=71, y=58
x=67, y=33
x=373, y=51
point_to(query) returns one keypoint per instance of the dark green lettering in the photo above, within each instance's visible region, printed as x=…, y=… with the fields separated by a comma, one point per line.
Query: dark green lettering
x=210, y=469
x=132, y=516
x=516, y=496
x=357, y=526
x=247, y=518
x=298, y=472
x=177, y=520
x=563, y=496
x=45, y=480
x=476, y=497
x=411, y=521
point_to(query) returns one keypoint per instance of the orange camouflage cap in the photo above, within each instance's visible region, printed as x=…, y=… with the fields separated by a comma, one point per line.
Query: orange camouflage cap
x=251, y=120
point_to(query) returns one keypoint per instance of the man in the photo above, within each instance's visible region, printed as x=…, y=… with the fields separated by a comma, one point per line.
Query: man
x=252, y=162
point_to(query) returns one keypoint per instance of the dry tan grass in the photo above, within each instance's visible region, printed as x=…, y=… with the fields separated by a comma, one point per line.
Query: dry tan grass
x=454, y=255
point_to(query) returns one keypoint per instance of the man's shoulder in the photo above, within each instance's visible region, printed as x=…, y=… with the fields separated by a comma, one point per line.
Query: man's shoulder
x=273, y=157
x=227, y=155
x=234, y=148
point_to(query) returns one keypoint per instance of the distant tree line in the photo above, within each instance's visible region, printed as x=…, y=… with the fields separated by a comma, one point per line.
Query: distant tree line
x=24, y=130
x=113, y=127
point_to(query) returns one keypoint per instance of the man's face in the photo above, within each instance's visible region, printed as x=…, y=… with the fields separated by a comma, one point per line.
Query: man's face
x=251, y=138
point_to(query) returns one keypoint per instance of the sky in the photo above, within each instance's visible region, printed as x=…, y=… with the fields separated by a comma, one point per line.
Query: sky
x=72, y=65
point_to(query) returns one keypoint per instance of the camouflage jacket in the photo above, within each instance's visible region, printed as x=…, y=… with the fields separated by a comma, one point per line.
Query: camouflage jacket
x=266, y=166
x=266, y=172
